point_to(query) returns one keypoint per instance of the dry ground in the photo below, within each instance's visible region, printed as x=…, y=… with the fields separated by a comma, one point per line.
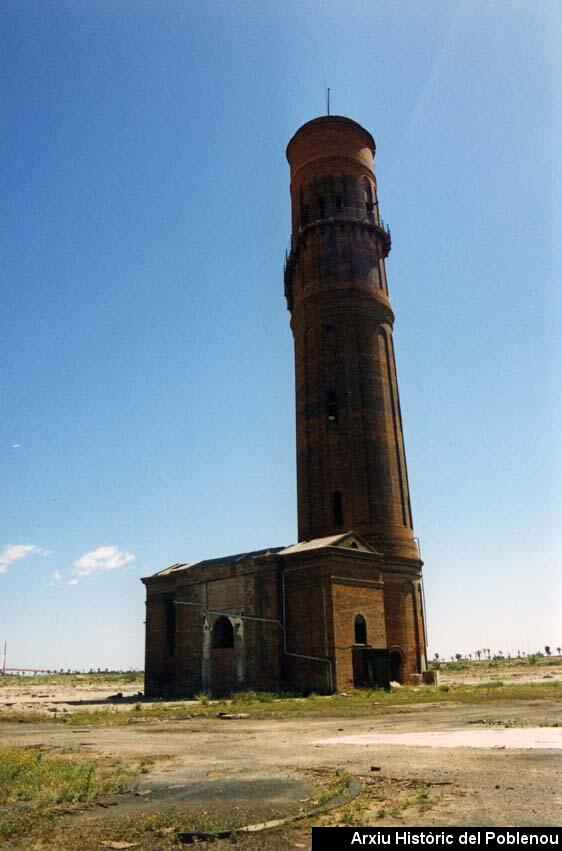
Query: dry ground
x=204, y=772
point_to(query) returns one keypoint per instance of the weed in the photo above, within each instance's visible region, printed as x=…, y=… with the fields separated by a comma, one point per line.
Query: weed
x=358, y=703
x=28, y=774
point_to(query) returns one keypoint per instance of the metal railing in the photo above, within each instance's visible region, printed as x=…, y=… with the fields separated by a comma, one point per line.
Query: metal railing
x=361, y=212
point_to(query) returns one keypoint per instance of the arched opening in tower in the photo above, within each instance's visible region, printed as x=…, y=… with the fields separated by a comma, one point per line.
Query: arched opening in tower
x=397, y=666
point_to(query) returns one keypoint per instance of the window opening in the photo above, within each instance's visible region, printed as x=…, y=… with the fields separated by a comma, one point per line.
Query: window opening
x=170, y=616
x=339, y=204
x=321, y=208
x=360, y=630
x=337, y=508
x=223, y=633
x=368, y=190
x=332, y=407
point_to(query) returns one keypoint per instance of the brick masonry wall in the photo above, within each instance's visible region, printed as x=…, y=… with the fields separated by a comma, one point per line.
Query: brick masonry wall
x=200, y=597
x=349, y=599
x=404, y=620
x=342, y=324
x=160, y=652
x=323, y=595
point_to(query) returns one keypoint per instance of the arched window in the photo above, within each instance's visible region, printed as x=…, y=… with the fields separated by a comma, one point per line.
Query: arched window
x=368, y=193
x=360, y=630
x=337, y=508
x=223, y=633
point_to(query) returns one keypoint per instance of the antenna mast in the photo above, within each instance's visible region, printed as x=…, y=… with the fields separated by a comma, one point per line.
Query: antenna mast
x=327, y=101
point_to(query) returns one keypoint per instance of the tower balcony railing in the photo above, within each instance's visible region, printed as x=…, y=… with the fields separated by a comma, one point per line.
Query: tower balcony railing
x=337, y=212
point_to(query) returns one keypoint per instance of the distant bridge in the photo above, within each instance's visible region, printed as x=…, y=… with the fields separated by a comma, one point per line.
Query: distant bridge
x=5, y=671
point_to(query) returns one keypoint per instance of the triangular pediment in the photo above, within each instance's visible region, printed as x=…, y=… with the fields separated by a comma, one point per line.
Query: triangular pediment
x=345, y=540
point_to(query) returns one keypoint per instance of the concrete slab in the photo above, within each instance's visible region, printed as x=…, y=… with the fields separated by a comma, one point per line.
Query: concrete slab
x=541, y=738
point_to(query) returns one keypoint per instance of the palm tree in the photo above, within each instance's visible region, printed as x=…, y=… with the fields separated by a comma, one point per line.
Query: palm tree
x=547, y=649
x=479, y=653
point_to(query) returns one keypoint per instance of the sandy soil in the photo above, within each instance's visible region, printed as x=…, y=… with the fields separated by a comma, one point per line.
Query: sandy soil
x=264, y=767
x=27, y=694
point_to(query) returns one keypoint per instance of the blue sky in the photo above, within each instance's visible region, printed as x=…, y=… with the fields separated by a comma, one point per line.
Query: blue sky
x=147, y=365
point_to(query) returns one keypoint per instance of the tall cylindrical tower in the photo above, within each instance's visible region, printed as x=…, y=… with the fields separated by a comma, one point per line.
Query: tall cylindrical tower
x=351, y=463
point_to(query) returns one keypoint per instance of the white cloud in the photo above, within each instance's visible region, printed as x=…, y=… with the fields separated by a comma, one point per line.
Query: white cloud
x=104, y=558
x=56, y=576
x=16, y=445
x=72, y=582
x=16, y=552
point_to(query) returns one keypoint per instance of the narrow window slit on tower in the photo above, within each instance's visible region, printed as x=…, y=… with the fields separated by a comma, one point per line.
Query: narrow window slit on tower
x=337, y=508
x=332, y=407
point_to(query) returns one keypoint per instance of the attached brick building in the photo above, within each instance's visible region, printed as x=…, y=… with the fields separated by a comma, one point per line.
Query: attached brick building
x=344, y=606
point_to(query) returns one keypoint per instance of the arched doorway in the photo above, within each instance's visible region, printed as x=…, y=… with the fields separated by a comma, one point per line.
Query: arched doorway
x=396, y=666
x=223, y=657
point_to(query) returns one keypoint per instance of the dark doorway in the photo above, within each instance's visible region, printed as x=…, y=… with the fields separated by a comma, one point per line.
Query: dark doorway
x=397, y=666
x=223, y=658
x=370, y=667
x=223, y=633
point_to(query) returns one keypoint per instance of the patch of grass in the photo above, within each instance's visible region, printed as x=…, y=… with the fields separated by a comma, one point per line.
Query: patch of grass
x=245, y=697
x=491, y=684
x=351, y=814
x=328, y=789
x=30, y=774
x=38, y=786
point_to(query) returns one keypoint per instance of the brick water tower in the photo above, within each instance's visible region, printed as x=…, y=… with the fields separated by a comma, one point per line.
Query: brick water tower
x=351, y=462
